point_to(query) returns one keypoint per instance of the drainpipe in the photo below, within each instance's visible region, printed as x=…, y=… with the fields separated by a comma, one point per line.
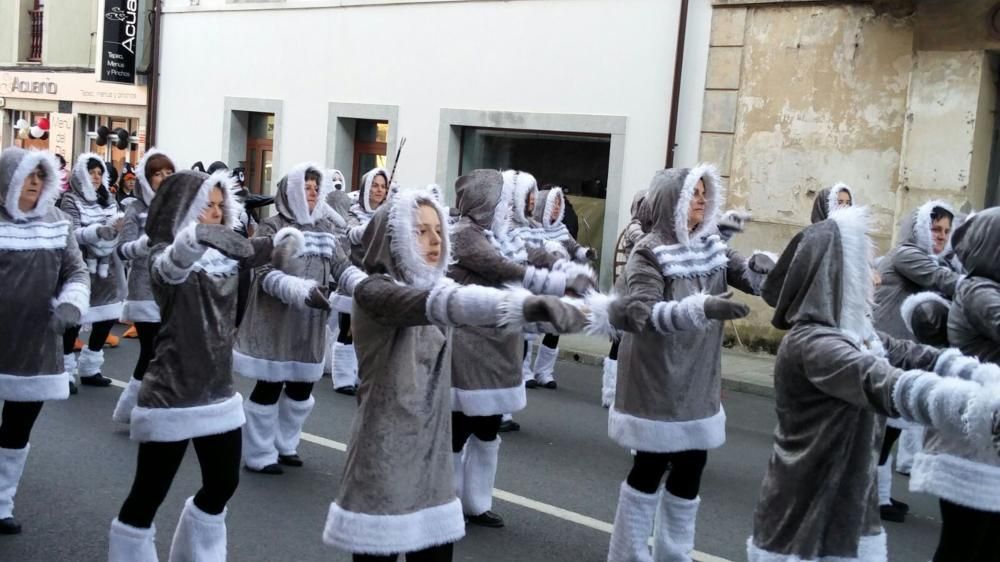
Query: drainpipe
x=675, y=98
x=154, y=77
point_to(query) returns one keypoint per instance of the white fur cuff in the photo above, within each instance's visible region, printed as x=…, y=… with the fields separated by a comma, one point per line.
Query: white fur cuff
x=349, y=279
x=544, y=282
x=598, y=307
x=355, y=234
x=581, y=254
x=676, y=316
x=952, y=363
x=293, y=236
x=87, y=235
x=288, y=289
x=135, y=249
x=177, y=261
x=77, y=295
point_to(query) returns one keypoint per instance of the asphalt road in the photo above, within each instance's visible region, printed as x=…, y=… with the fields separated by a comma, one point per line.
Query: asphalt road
x=558, y=480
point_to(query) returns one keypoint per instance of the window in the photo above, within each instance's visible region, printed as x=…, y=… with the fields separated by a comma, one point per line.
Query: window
x=110, y=151
x=30, y=118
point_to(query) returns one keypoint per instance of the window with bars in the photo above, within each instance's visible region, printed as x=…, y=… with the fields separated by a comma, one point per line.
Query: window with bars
x=109, y=152
x=35, y=18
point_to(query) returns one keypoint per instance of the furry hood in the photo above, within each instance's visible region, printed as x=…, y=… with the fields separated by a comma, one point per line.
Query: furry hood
x=543, y=212
x=976, y=244
x=337, y=179
x=145, y=191
x=15, y=165
x=916, y=227
x=181, y=199
x=478, y=196
x=521, y=184
x=290, y=199
x=391, y=241
x=824, y=276
x=669, y=200
x=366, y=186
x=826, y=200
x=80, y=180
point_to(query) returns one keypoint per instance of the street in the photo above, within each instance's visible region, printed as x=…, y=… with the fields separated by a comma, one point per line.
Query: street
x=557, y=483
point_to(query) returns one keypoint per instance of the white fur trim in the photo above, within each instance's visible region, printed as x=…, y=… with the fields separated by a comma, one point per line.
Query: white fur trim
x=405, y=239
x=857, y=289
x=131, y=544
x=694, y=259
x=954, y=406
x=715, y=199
x=80, y=173
x=290, y=235
x=922, y=226
x=295, y=191
x=145, y=192
x=364, y=194
x=138, y=248
x=34, y=388
x=871, y=548
x=451, y=304
x=276, y=371
x=176, y=262
x=177, y=424
x=11, y=468
x=292, y=416
x=140, y=311
x=289, y=289
x=520, y=184
x=126, y=401
x=479, y=474
x=581, y=254
x=913, y=301
x=952, y=363
x=832, y=203
x=658, y=436
x=544, y=282
x=686, y=314
x=340, y=303
x=349, y=280
x=489, y=401
x=50, y=188
x=34, y=235
x=259, y=444
x=112, y=311
x=511, y=308
x=90, y=362
x=556, y=193
x=980, y=417
x=363, y=533
x=199, y=536
x=77, y=295
x=958, y=480
x=598, y=306
x=231, y=206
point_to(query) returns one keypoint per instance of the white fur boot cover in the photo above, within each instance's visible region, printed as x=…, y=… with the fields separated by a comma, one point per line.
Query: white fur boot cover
x=259, y=449
x=673, y=535
x=69, y=365
x=884, y=476
x=292, y=416
x=131, y=544
x=345, y=366
x=633, y=524
x=526, y=372
x=11, y=467
x=545, y=363
x=199, y=537
x=480, y=473
x=126, y=401
x=331, y=340
x=90, y=362
x=609, y=380
x=458, y=464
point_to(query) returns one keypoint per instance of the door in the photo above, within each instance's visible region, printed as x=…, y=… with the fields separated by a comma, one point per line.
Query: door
x=259, y=155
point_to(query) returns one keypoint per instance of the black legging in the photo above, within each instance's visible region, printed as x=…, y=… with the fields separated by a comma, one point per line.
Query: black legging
x=345, y=336
x=967, y=534
x=550, y=341
x=267, y=393
x=888, y=440
x=684, y=479
x=18, y=419
x=440, y=553
x=147, y=335
x=219, y=458
x=485, y=429
x=98, y=336
x=613, y=353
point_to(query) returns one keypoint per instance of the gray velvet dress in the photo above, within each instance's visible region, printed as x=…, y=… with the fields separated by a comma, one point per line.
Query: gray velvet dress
x=40, y=263
x=139, y=306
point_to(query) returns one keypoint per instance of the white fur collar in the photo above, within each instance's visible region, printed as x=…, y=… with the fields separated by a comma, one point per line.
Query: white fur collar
x=295, y=192
x=550, y=202
x=857, y=287
x=145, y=191
x=50, y=189
x=922, y=226
x=715, y=199
x=405, y=245
x=231, y=204
x=83, y=178
x=831, y=198
x=521, y=184
x=364, y=198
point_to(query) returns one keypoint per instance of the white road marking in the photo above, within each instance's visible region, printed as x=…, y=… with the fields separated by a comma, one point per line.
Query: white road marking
x=509, y=497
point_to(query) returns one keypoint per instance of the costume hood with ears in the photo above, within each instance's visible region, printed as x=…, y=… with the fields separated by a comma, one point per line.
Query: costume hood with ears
x=543, y=212
x=479, y=196
x=916, y=227
x=976, y=243
x=391, y=241
x=364, y=198
x=521, y=184
x=826, y=201
x=15, y=165
x=182, y=198
x=337, y=179
x=291, y=197
x=824, y=276
x=145, y=192
x=669, y=202
x=80, y=180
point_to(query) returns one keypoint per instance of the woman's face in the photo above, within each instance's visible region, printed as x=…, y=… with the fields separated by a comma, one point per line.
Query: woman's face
x=378, y=191
x=529, y=209
x=215, y=210
x=312, y=193
x=96, y=175
x=556, y=210
x=130, y=184
x=31, y=190
x=940, y=231
x=843, y=199
x=696, y=211
x=157, y=178
x=429, y=234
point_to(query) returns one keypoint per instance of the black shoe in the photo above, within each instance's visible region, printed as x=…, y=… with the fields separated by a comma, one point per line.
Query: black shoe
x=347, y=390
x=10, y=526
x=551, y=385
x=531, y=383
x=290, y=460
x=272, y=469
x=486, y=519
x=905, y=508
x=95, y=380
x=508, y=426
x=892, y=513
x=72, y=388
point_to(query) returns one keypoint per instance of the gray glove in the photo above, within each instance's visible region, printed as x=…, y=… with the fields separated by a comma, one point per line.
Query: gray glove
x=761, y=263
x=317, y=299
x=225, y=240
x=591, y=254
x=565, y=318
x=732, y=222
x=579, y=285
x=627, y=313
x=106, y=232
x=63, y=317
x=722, y=308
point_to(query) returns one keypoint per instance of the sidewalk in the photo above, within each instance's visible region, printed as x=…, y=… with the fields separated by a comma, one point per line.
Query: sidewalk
x=750, y=373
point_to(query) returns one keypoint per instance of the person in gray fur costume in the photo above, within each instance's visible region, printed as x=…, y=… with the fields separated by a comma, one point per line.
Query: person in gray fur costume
x=133, y=245
x=266, y=349
x=835, y=377
x=46, y=289
x=830, y=199
x=667, y=404
x=917, y=264
x=97, y=225
x=486, y=374
x=965, y=477
x=397, y=493
x=187, y=394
